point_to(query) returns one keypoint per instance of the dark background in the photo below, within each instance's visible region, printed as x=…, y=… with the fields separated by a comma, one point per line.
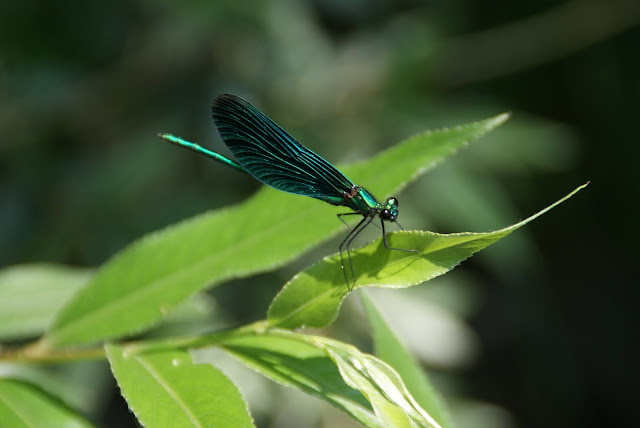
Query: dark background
x=85, y=86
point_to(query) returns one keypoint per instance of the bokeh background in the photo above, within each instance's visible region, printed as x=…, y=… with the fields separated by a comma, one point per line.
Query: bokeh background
x=539, y=330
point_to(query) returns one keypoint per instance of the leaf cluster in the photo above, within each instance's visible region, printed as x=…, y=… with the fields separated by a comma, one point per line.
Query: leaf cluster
x=83, y=314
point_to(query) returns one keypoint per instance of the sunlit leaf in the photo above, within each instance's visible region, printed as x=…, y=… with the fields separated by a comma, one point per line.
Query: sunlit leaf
x=312, y=298
x=141, y=284
x=392, y=351
x=379, y=383
x=165, y=389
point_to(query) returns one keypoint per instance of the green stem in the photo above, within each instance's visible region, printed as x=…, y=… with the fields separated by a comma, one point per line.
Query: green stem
x=37, y=353
x=33, y=353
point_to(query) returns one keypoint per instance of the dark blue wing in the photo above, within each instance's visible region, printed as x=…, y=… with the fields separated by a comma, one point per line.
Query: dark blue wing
x=274, y=157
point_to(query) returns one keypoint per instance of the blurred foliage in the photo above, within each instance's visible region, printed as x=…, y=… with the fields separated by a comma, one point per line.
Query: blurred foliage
x=85, y=86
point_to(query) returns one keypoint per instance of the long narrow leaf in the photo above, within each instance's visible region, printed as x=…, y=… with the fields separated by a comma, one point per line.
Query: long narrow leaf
x=143, y=282
x=389, y=411
x=312, y=298
x=376, y=380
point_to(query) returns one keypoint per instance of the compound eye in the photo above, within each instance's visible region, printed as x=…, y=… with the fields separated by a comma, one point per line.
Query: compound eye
x=393, y=201
x=385, y=214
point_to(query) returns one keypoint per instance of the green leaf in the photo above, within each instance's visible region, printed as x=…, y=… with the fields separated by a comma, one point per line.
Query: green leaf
x=312, y=297
x=392, y=351
x=141, y=284
x=165, y=389
x=379, y=383
x=31, y=294
x=78, y=385
x=22, y=405
x=290, y=359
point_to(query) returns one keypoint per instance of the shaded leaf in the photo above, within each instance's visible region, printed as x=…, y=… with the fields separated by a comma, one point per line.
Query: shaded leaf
x=31, y=294
x=79, y=385
x=24, y=406
x=289, y=359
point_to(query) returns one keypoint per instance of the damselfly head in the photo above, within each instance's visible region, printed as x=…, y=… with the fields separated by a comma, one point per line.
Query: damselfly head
x=390, y=210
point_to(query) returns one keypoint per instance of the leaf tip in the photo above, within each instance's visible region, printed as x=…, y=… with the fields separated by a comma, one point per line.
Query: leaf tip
x=502, y=118
x=581, y=187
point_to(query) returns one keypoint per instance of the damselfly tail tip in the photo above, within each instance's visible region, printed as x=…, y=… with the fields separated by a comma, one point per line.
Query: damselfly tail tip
x=170, y=138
